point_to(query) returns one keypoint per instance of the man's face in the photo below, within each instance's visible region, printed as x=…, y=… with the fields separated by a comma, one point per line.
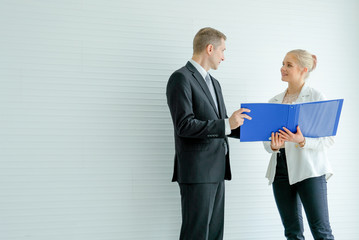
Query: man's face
x=217, y=55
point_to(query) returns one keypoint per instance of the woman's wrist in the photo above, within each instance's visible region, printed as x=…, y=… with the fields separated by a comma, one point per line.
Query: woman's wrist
x=274, y=149
x=302, y=143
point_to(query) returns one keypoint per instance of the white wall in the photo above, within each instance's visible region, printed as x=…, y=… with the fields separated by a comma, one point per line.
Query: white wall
x=86, y=141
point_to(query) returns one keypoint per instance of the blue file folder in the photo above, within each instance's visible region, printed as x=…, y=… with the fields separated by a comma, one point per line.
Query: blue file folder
x=315, y=119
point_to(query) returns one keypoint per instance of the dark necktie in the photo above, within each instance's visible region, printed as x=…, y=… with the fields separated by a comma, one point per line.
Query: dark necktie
x=211, y=89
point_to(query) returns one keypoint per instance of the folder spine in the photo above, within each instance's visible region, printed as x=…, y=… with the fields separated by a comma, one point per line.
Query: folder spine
x=296, y=116
x=292, y=118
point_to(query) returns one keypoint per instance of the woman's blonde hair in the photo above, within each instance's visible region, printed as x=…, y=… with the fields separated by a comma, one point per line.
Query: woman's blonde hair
x=305, y=59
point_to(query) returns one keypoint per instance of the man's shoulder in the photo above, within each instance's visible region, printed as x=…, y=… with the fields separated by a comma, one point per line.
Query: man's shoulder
x=181, y=73
x=186, y=69
x=182, y=70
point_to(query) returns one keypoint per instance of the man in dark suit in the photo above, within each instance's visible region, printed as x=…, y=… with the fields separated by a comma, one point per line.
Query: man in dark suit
x=201, y=127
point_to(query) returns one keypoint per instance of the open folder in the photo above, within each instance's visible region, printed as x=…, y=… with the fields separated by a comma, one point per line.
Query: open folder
x=315, y=119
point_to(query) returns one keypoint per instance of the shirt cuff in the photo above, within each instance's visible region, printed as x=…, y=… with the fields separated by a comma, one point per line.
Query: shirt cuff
x=227, y=126
x=276, y=151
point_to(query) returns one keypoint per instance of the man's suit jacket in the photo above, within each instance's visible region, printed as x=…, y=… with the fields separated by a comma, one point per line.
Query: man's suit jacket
x=199, y=130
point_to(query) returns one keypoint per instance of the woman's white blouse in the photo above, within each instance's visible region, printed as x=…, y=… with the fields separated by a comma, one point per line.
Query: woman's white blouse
x=309, y=161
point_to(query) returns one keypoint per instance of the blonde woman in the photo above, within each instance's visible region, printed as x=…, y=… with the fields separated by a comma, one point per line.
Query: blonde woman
x=299, y=167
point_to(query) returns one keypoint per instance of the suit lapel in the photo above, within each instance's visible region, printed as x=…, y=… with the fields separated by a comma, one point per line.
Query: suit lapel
x=203, y=85
x=217, y=88
x=304, y=94
x=279, y=98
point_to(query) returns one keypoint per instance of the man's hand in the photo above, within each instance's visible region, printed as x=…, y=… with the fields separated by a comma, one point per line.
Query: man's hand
x=237, y=118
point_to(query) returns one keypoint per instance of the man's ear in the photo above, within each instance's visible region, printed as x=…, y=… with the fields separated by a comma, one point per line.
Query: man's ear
x=209, y=49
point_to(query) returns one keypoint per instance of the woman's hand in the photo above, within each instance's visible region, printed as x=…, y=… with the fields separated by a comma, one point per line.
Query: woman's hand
x=276, y=142
x=288, y=136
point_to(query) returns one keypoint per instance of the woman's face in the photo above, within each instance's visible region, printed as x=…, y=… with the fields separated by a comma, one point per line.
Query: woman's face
x=291, y=71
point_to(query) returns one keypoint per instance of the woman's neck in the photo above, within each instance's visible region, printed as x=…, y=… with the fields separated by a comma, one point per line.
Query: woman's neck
x=294, y=88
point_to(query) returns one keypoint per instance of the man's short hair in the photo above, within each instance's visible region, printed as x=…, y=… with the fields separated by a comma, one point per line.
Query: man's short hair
x=207, y=36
